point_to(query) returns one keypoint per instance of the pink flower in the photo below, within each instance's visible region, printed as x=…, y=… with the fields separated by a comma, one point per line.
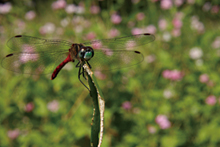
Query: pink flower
x=126, y=105
x=140, y=16
x=53, y=106
x=30, y=15
x=216, y=43
x=163, y=121
x=60, y=4
x=195, y=53
x=13, y=134
x=130, y=44
x=207, y=6
x=215, y=9
x=167, y=93
x=151, y=129
x=190, y=1
x=210, y=100
x=178, y=2
x=176, y=32
x=113, y=33
x=166, y=74
x=151, y=29
x=29, y=107
x=5, y=8
x=96, y=45
x=174, y=75
x=136, y=31
x=162, y=24
x=166, y=4
x=28, y=56
x=94, y=9
x=108, y=52
x=177, y=23
x=90, y=36
x=150, y=58
x=204, y=78
x=100, y=75
x=71, y=8
x=116, y=19
x=48, y=28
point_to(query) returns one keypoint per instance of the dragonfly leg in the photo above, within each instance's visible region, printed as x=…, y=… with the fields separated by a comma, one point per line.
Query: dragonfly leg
x=78, y=65
x=83, y=73
x=89, y=64
x=79, y=73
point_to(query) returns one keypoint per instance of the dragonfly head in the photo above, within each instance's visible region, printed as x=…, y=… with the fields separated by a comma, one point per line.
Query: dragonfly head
x=86, y=53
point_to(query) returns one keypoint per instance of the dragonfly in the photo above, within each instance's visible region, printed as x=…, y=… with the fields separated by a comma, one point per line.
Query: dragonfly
x=32, y=55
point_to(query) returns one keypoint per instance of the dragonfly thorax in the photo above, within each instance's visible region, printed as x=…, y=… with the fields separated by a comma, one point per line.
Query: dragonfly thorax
x=86, y=53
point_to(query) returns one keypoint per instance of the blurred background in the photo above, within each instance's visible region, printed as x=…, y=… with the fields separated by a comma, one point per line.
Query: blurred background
x=170, y=99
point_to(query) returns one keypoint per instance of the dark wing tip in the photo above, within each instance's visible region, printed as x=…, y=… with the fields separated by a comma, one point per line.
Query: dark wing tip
x=18, y=36
x=147, y=34
x=9, y=55
x=137, y=52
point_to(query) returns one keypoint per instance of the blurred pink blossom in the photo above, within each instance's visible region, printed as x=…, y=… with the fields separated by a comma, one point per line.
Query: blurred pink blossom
x=166, y=36
x=64, y=22
x=130, y=44
x=151, y=29
x=127, y=105
x=60, y=4
x=113, y=33
x=162, y=24
x=150, y=58
x=131, y=24
x=177, y=23
x=190, y=1
x=48, y=28
x=166, y=4
x=216, y=43
x=207, y=6
x=96, y=45
x=5, y=8
x=151, y=129
x=94, y=9
x=204, y=78
x=136, y=31
x=163, y=121
x=53, y=106
x=176, y=32
x=30, y=15
x=174, y=75
x=167, y=93
x=210, y=100
x=140, y=16
x=13, y=134
x=100, y=75
x=71, y=8
x=27, y=49
x=108, y=52
x=29, y=107
x=90, y=36
x=197, y=25
x=195, y=53
x=80, y=9
x=215, y=9
x=178, y=2
x=116, y=19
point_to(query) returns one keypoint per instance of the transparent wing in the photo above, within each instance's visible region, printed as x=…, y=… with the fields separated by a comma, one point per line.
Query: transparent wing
x=28, y=44
x=127, y=42
x=104, y=60
x=33, y=63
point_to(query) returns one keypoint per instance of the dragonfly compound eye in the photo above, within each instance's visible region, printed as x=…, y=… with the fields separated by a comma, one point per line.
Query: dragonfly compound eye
x=88, y=55
x=81, y=54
